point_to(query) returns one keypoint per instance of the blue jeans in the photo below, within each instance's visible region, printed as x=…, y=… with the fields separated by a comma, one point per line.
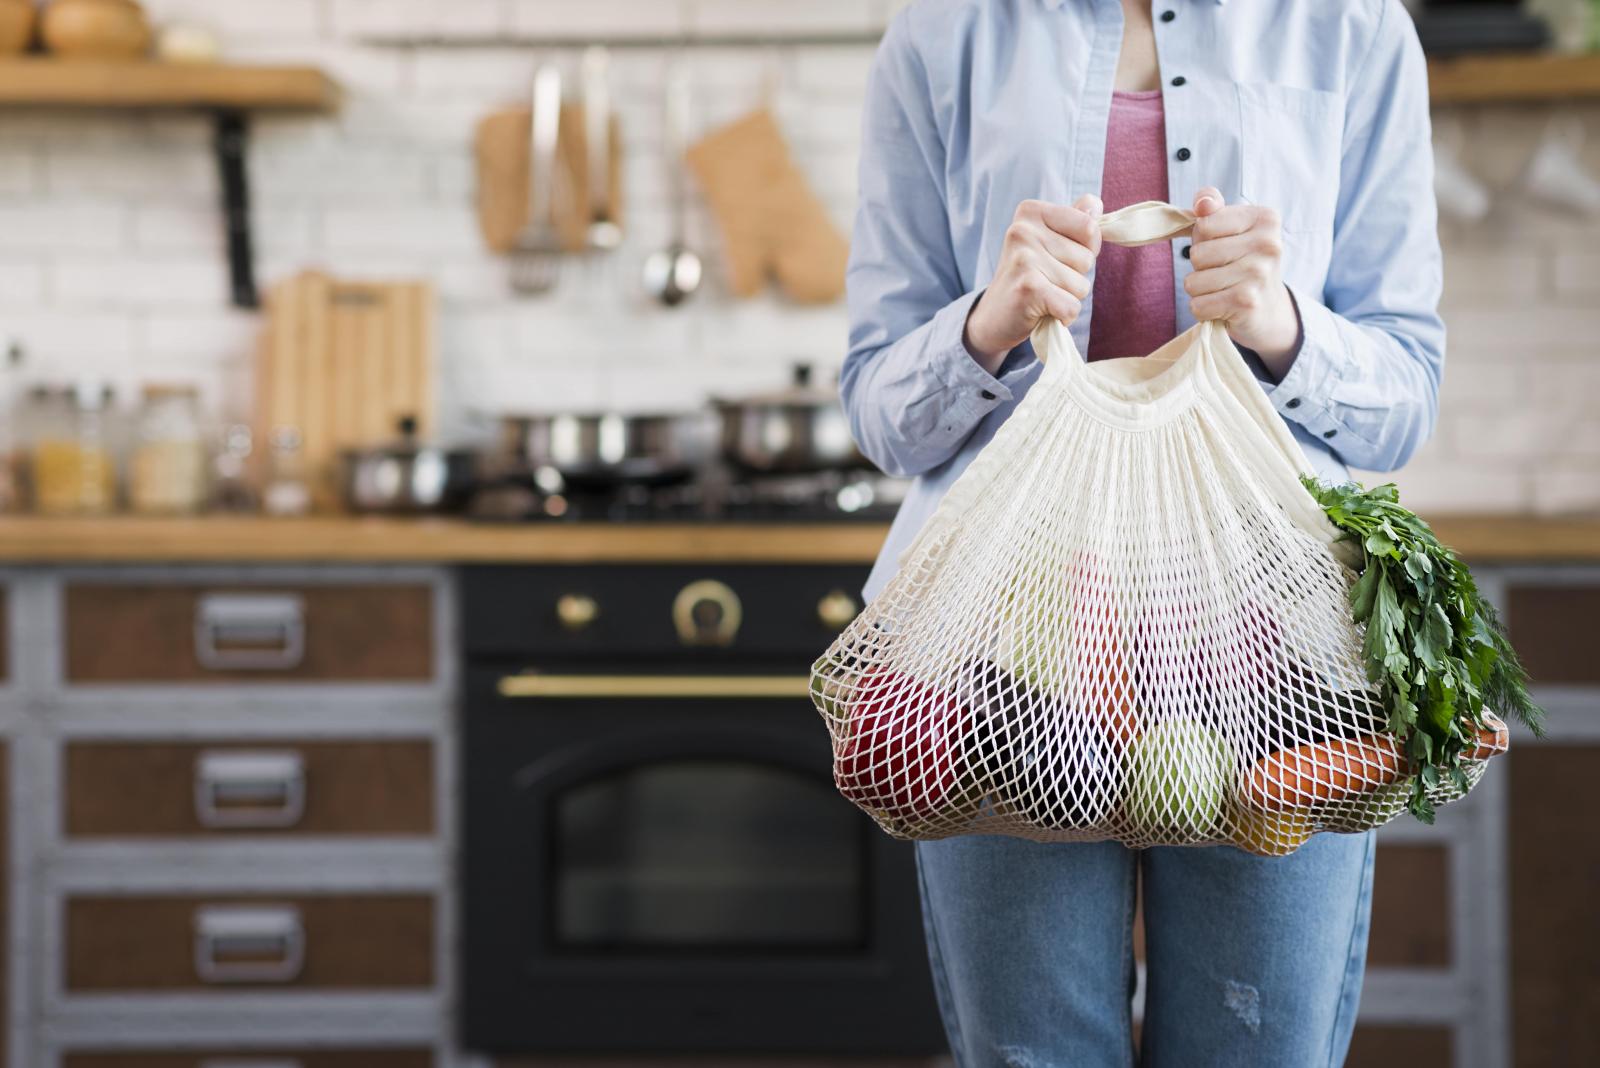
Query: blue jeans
x=1249, y=960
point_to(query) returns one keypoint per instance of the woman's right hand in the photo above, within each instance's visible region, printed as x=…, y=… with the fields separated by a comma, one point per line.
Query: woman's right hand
x=1043, y=270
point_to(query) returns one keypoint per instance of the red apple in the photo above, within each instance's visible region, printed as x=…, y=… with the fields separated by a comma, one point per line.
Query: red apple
x=900, y=756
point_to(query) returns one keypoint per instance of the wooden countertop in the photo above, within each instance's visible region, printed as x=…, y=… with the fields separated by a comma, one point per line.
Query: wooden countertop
x=36, y=540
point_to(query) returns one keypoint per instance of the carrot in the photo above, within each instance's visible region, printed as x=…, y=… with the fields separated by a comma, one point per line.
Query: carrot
x=1323, y=771
x=1493, y=739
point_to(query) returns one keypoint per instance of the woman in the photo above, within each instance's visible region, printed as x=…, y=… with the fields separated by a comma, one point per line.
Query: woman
x=1299, y=132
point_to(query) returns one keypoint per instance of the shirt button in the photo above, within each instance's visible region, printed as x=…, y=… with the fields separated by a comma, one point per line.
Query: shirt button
x=1330, y=433
x=1168, y=16
x=1179, y=80
x=1183, y=154
x=1294, y=403
x=986, y=395
x=1186, y=252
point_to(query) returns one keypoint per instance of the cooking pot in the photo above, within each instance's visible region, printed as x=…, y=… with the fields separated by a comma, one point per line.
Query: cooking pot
x=602, y=450
x=799, y=429
x=407, y=477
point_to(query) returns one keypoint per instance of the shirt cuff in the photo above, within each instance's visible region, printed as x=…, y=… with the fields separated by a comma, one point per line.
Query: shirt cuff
x=1305, y=394
x=975, y=391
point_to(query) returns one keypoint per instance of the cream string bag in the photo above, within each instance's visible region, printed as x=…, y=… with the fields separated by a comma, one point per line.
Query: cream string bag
x=1127, y=619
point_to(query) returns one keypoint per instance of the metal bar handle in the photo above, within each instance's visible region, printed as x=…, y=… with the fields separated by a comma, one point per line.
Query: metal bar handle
x=248, y=944
x=251, y=1062
x=533, y=684
x=243, y=789
x=250, y=631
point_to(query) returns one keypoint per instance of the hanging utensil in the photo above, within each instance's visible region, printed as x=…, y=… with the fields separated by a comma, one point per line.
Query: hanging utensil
x=536, y=255
x=604, y=233
x=673, y=274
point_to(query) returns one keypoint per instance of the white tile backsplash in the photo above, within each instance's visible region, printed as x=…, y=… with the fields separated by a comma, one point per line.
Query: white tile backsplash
x=110, y=249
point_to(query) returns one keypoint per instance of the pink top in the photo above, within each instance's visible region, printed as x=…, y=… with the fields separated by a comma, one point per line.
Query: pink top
x=1133, y=312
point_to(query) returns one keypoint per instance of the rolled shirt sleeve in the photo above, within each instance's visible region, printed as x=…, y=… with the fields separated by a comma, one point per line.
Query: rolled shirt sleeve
x=913, y=392
x=1366, y=377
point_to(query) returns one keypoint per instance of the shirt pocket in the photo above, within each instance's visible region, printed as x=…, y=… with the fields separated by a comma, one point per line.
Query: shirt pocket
x=1291, y=140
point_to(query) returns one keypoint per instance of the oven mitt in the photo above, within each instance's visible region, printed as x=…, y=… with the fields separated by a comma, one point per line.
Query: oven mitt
x=771, y=222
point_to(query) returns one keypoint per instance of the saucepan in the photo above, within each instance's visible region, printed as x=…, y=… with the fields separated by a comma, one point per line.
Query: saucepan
x=599, y=450
x=407, y=477
x=797, y=430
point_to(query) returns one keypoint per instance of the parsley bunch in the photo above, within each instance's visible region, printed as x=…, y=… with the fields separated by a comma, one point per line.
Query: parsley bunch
x=1436, y=648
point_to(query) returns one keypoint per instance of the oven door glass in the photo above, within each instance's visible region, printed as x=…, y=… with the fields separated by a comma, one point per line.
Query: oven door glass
x=706, y=854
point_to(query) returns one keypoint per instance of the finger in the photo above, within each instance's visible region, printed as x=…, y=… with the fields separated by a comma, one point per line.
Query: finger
x=1217, y=279
x=1222, y=250
x=1207, y=200
x=1090, y=205
x=1061, y=276
x=1062, y=305
x=1066, y=251
x=1211, y=306
x=1233, y=219
x=1072, y=223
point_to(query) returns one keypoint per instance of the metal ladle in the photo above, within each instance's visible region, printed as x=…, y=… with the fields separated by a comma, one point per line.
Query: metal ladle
x=673, y=274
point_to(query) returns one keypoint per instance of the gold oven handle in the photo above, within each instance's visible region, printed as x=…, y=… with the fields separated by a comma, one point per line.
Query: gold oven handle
x=591, y=686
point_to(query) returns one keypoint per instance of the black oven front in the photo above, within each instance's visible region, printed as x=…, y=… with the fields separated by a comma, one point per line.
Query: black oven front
x=655, y=858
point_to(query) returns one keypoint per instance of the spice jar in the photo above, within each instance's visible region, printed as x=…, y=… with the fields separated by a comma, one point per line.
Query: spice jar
x=73, y=467
x=168, y=470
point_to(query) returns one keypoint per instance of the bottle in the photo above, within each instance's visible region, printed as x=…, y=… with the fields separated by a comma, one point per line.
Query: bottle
x=287, y=493
x=74, y=467
x=167, y=475
x=11, y=479
x=231, y=490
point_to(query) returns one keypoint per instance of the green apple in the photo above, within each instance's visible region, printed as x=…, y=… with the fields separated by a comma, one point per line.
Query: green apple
x=1182, y=774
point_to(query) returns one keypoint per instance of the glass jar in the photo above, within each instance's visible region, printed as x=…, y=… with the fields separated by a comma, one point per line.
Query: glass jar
x=168, y=471
x=74, y=469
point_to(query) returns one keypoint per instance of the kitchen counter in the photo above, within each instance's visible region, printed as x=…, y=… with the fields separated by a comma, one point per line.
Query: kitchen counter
x=331, y=539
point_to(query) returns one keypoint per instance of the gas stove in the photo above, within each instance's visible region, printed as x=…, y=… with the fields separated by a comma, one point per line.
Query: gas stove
x=710, y=496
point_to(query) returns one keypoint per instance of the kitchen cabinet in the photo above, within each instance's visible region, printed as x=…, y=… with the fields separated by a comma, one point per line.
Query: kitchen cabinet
x=265, y=786
x=1554, y=868
x=122, y=722
x=251, y=1058
x=320, y=942
x=178, y=633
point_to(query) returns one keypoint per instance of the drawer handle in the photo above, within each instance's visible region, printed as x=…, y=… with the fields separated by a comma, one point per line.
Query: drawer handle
x=531, y=684
x=238, y=789
x=250, y=631
x=235, y=1062
x=248, y=944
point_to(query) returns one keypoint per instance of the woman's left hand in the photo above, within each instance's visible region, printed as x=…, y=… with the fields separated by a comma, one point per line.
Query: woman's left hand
x=1237, y=254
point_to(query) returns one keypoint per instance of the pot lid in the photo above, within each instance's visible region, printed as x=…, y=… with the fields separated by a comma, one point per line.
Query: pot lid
x=801, y=392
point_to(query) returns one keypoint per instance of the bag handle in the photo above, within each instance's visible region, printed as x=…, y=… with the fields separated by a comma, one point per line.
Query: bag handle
x=1144, y=223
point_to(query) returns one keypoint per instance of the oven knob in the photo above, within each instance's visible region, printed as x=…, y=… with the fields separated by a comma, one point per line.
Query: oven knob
x=837, y=609
x=576, y=611
x=706, y=613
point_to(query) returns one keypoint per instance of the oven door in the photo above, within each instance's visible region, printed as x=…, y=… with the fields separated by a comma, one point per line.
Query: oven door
x=661, y=863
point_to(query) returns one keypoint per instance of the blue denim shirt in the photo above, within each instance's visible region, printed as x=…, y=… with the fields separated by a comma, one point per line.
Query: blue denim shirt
x=1316, y=108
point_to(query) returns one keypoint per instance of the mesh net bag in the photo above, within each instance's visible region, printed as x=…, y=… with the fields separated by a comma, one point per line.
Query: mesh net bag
x=1128, y=619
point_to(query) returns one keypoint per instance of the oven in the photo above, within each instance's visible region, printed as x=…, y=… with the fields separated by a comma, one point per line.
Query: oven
x=655, y=858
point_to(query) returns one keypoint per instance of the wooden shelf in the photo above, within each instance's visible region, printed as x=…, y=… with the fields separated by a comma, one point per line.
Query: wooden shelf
x=43, y=82
x=1513, y=77
x=335, y=539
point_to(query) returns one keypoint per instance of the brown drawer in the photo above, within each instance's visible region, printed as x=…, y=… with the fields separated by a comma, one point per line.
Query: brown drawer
x=1553, y=630
x=193, y=634
x=1386, y=1046
x=165, y=789
x=1553, y=866
x=370, y=941
x=1411, y=907
x=241, y=1058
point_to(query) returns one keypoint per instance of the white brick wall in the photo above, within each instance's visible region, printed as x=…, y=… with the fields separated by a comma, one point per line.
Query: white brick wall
x=110, y=244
